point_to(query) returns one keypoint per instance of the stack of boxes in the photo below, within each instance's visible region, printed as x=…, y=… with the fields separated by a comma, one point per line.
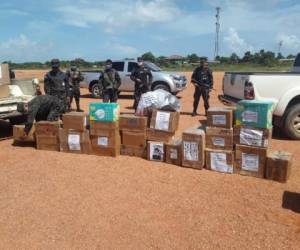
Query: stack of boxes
x=74, y=136
x=18, y=134
x=47, y=135
x=219, y=140
x=104, y=129
x=134, y=135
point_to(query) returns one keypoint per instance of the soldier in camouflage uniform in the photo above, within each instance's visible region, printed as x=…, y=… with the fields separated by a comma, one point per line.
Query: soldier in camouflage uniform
x=56, y=84
x=111, y=81
x=41, y=108
x=75, y=77
x=142, y=77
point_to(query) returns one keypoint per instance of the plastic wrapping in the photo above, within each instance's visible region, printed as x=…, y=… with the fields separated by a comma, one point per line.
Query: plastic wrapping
x=158, y=99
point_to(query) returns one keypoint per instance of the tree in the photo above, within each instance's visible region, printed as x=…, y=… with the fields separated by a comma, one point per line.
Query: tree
x=234, y=58
x=248, y=57
x=193, y=58
x=280, y=56
x=149, y=57
x=290, y=56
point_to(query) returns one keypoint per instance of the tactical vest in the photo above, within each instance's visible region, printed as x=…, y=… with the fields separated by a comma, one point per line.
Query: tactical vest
x=57, y=84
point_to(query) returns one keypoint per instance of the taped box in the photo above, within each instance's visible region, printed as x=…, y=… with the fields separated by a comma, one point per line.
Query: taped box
x=135, y=151
x=174, y=152
x=220, y=161
x=19, y=136
x=75, y=120
x=156, y=151
x=106, y=143
x=47, y=135
x=4, y=74
x=220, y=117
x=72, y=141
x=256, y=137
x=132, y=122
x=97, y=128
x=256, y=114
x=193, y=147
x=158, y=135
x=219, y=138
x=47, y=143
x=250, y=160
x=279, y=166
x=104, y=112
x=134, y=138
x=165, y=121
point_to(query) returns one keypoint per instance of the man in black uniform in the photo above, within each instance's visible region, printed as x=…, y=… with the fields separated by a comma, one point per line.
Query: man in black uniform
x=41, y=108
x=75, y=77
x=142, y=77
x=111, y=81
x=202, y=78
x=56, y=84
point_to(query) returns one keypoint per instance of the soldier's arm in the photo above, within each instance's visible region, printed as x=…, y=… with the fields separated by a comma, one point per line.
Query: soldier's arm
x=47, y=84
x=133, y=75
x=81, y=78
x=67, y=85
x=32, y=112
x=211, y=79
x=101, y=79
x=194, y=76
x=150, y=76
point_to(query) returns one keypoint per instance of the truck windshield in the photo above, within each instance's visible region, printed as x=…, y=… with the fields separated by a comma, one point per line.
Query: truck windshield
x=152, y=67
x=297, y=61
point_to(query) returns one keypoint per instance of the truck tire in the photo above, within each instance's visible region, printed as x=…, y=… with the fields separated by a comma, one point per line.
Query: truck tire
x=97, y=90
x=161, y=85
x=292, y=122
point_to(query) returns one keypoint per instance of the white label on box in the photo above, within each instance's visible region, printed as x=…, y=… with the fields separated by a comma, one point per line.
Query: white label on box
x=218, y=141
x=251, y=137
x=218, y=162
x=0, y=71
x=85, y=121
x=173, y=154
x=103, y=141
x=250, y=162
x=157, y=151
x=162, y=121
x=191, y=152
x=219, y=119
x=74, y=142
x=100, y=114
x=250, y=116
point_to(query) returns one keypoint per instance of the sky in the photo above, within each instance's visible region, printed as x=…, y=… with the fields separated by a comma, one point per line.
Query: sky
x=39, y=30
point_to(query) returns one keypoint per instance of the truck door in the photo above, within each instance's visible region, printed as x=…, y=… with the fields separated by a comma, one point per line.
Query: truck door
x=120, y=67
x=129, y=83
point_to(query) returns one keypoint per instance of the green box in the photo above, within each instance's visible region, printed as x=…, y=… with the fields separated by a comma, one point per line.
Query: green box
x=256, y=114
x=104, y=112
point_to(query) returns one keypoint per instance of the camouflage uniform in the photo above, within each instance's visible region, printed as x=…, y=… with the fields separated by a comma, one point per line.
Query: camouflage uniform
x=143, y=86
x=75, y=77
x=111, y=81
x=56, y=84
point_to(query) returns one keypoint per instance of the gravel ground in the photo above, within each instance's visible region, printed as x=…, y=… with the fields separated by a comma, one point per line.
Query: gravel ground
x=52, y=200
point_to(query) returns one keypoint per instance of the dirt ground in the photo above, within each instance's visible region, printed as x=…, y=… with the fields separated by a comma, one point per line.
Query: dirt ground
x=52, y=200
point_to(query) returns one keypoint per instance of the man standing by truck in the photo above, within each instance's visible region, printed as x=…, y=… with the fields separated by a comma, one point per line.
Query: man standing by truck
x=56, y=84
x=142, y=77
x=202, y=78
x=111, y=81
x=75, y=77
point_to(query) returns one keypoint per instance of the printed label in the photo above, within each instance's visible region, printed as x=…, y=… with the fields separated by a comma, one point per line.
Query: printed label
x=250, y=162
x=74, y=142
x=173, y=154
x=250, y=116
x=219, y=119
x=100, y=114
x=191, y=152
x=218, y=162
x=218, y=141
x=85, y=121
x=156, y=151
x=251, y=137
x=103, y=141
x=162, y=121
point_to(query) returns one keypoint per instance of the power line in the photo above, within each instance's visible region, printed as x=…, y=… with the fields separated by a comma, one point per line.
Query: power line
x=217, y=39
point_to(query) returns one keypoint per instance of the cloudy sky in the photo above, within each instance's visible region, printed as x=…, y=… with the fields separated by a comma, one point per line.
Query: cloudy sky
x=39, y=30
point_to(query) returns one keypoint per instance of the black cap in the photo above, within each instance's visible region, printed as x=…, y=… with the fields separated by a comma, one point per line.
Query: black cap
x=73, y=68
x=203, y=59
x=55, y=63
x=140, y=59
x=108, y=61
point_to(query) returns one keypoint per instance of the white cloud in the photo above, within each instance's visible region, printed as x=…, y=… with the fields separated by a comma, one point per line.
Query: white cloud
x=289, y=42
x=124, y=50
x=235, y=43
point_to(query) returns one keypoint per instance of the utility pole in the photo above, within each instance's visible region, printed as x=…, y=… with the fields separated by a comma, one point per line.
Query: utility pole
x=217, y=39
x=280, y=46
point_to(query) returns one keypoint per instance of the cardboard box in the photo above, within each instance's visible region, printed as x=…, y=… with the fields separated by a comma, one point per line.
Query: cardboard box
x=165, y=120
x=256, y=114
x=279, y=166
x=174, y=152
x=156, y=151
x=158, y=135
x=134, y=138
x=104, y=112
x=4, y=91
x=18, y=134
x=219, y=138
x=134, y=151
x=48, y=143
x=220, y=160
x=75, y=120
x=220, y=117
x=250, y=160
x=256, y=137
x=4, y=74
x=97, y=128
x=77, y=142
x=45, y=128
x=193, y=147
x=132, y=122
x=106, y=139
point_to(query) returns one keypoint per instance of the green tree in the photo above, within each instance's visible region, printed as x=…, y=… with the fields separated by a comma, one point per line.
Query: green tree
x=193, y=58
x=149, y=57
x=234, y=58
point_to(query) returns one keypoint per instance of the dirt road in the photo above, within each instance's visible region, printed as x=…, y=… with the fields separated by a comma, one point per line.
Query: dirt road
x=61, y=201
